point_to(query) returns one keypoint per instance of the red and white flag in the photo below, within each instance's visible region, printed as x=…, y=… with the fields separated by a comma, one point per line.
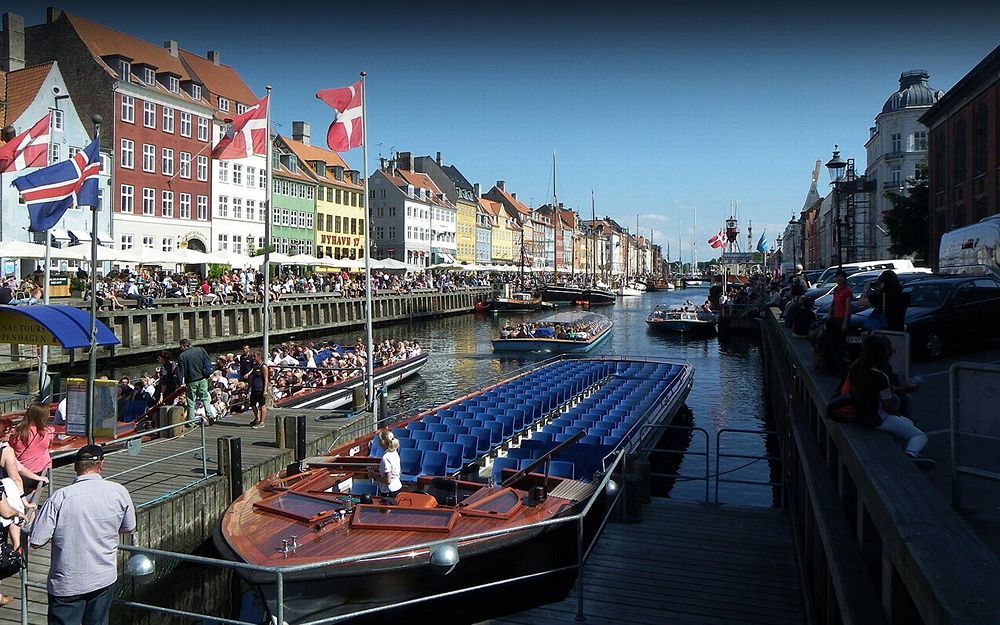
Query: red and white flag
x=345, y=131
x=28, y=149
x=247, y=135
x=718, y=241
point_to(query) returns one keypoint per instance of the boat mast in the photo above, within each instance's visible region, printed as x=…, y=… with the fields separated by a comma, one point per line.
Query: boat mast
x=593, y=238
x=555, y=217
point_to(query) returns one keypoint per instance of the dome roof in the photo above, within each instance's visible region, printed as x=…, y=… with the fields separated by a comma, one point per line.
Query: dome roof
x=913, y=91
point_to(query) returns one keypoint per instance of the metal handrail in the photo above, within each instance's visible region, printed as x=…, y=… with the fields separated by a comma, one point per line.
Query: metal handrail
x=281, y=571
x=684, y=452
x=719, y=455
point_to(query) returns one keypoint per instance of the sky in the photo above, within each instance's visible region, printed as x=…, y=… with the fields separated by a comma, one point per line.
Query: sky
x=665, y=113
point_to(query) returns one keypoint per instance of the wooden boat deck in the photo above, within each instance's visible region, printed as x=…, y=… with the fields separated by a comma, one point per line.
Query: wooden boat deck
x=688, y=564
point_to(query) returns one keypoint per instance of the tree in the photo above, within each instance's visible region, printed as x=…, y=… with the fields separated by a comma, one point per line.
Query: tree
x=908, y=221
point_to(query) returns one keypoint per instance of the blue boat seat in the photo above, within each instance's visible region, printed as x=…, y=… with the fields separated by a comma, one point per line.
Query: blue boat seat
x=364, y=488
x=410, y=461
x=455, y=452
x=444, y=437
x=437, y=427
x=428, y=445
x=422, y=435
x=416, y=425
x=405, y=443
x=520, y=453
x=561, y=468
x=470, y=446
x=434, y=463
x=499, y=465
x=496, y=433
x=483, y=436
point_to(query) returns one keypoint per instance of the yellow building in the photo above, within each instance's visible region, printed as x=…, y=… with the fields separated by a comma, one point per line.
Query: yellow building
x=502, y=235
x=340, y=205
x=465, y=231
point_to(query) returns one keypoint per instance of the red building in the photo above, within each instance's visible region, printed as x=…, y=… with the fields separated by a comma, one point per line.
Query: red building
x=157, y=123
x=964, y=152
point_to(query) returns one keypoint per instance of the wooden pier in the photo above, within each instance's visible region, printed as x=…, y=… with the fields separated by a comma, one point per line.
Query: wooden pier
x=687, y=563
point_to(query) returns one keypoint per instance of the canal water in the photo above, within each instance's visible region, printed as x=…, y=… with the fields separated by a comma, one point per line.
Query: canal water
x=726, y=403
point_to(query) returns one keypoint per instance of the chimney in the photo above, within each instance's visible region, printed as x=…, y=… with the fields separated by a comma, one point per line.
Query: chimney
x=171, y=47
x=500, y=185
x=476, y=189
x=438, y=159
x=300, y=132
x=12, y=53
x=404, y=160
x=513, y=195
x=52, y=14
x=214, y=57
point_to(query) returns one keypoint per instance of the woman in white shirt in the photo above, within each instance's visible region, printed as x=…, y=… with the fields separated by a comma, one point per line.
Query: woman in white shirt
x=390, y=468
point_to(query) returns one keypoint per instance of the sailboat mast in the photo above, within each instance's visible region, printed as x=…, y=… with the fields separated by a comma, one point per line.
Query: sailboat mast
x=555, y=218
x=593, y=237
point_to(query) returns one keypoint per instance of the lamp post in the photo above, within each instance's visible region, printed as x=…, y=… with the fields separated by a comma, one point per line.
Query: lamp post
x=836, y=168
x=791, y=222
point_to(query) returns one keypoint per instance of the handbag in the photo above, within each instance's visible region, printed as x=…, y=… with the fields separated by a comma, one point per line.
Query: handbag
x=11, y=562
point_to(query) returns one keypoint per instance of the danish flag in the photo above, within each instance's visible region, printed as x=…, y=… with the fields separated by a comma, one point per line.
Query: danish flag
x=50, y=191
x=346, y=130
x=718, y=241
x=247, y=135
x=28, y=149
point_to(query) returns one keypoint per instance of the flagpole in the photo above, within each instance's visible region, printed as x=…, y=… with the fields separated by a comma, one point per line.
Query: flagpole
x=369, y=362
x=92, y=356
x=265, y=306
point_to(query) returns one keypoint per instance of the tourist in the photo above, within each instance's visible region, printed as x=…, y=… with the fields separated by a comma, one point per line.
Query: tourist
x=803, y=316
x=83, y=521
x=836, y=325
x=166, y=377
x=192, y=365
x=258, y=380
x=390, y=469
x=30, y=443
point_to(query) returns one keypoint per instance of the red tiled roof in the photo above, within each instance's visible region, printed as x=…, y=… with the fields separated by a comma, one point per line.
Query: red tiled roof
x=219, y=80
x=282, y=171
x=423, y=181
x=491, y=207
x=306, y=153
x=511, y=200
x=18, y=90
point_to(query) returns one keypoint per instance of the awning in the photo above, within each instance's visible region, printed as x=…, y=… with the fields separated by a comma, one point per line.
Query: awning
x=50, y=325
x=58, y=234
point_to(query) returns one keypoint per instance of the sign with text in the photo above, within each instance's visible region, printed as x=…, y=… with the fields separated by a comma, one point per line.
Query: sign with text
x=736, y=257
x=16, y=328
x=105, y=407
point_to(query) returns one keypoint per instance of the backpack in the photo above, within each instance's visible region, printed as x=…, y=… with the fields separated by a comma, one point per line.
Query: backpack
x=207, y=368
x=841, y=407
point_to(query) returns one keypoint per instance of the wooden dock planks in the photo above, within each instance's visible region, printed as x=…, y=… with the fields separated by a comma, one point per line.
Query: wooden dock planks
x=687, y=564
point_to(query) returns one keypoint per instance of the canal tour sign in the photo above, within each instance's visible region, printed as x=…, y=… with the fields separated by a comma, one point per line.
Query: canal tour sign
x=737, y=258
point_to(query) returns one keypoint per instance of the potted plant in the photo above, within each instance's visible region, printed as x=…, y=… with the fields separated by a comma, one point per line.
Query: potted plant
x=77, y=286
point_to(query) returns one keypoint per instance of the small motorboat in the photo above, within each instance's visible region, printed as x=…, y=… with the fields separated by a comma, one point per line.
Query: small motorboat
x=687, y=319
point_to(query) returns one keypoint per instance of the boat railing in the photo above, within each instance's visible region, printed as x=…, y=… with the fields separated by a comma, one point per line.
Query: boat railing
x=544, y=459
x=142, y=558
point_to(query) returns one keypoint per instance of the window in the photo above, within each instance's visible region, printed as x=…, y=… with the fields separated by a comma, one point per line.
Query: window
x=185, y=205
x=168, y=119
x=329, y=223
x=223, y=171
x=339, y=197
x=223, y=242
x=203, y=168
x=202, y=129
x=336, y=224
x=148, y=199
x=73, y=151
x=167, y=204
x=196, y=92
x=124, y=69
x=127, y=201
x=896, y=176
x=148, y=241
x=173, y=84
x=185, y=124
x=237, y=173
x=126, y=242
x=168, y=244
x=185, y=166
x=920, y=140
x=56, y=120
x=241, y=108
x=167, y=162
x=223, y=206
x=251, y=213
x=128, y=109
x=224, y=105
x=128, y=154
x=149, y=114
x=896, y=143
x=203, y=207
x=354, y=226
x=262, y=179
x=148, y=75
x=55, y=153
x=148, y=157
x=251, y=176
x=237, y=208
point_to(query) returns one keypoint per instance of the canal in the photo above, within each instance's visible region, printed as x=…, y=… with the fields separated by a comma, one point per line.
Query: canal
x=727, y=395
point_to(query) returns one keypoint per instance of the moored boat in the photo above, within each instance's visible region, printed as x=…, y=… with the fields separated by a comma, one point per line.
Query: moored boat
x=332, y=396
x=565, y=332
x=682, y=319
x=519, y=302
x=515, y=459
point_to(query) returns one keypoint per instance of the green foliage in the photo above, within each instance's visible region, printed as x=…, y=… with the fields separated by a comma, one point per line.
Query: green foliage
x=216, y=271
x=908, y=221
x=78, y=284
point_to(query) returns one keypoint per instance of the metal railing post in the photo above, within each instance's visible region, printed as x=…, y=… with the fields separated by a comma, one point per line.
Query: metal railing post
x=204, y=454
x=579, y=571
x=280, y=597
x=24, y=592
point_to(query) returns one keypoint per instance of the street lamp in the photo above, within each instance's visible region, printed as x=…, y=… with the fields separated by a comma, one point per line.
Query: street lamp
x=792, y=222
x=836, y=167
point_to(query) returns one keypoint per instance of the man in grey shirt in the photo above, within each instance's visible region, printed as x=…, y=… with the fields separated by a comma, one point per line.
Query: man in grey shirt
x=83, y=521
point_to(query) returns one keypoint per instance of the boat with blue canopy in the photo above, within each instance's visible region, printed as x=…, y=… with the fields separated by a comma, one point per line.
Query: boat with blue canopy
x=564, y=332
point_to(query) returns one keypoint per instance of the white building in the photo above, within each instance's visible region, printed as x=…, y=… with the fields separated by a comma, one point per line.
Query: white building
x=897, y=146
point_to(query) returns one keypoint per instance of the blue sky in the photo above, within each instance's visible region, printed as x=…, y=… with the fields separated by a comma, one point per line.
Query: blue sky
x=660, y=111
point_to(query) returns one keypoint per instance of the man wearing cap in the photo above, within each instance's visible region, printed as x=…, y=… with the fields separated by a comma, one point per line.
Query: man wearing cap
x=83, y=521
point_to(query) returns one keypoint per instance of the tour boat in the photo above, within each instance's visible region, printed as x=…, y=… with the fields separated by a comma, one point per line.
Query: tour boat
x=340, y=394
x=628, y=291
x=487, y=478
x=519, y=302
x=546, y=339
x=681, y=319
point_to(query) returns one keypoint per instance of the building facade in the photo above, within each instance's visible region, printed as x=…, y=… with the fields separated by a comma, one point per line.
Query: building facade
x=897, y=153
x=461, y=194
x=517, y=212
x=964, y=152
x=484, y=235
x=293, y=206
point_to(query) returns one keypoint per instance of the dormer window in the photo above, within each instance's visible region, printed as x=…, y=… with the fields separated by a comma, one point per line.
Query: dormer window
x=224, y=105
x=241, y=108
x=293, y=162
x=173, y=84
x=196, y=92
x=124, y=69
x=149, y=76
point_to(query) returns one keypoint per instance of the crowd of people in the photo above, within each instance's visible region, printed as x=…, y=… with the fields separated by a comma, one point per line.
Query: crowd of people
x=564, y=331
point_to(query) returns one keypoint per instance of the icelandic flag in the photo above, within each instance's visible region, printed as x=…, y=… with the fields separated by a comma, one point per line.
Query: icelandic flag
x=763, y=243
x=51, y=191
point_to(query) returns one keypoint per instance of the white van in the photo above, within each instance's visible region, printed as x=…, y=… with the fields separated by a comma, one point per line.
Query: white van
x=973, y=249
x=896, y=264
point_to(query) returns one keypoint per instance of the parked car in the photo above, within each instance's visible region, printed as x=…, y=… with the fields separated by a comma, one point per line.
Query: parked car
x=859, y=284
x=896, y=264
x=945, y=313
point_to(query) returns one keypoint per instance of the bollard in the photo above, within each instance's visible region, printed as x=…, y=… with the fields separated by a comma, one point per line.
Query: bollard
x=358, y=395
x=33, y=383
x=231, y=463
x=300, y=437
x=640, y=467
x=291, y=434
x=633, y=507
x=175, y=416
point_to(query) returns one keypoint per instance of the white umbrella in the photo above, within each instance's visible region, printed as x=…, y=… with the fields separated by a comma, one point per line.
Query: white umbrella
x=82, y=252
x=146, y=256
x=342, y=263
x=277, y=258
x=22, y=249
x=302, y=260
x=389, y=263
